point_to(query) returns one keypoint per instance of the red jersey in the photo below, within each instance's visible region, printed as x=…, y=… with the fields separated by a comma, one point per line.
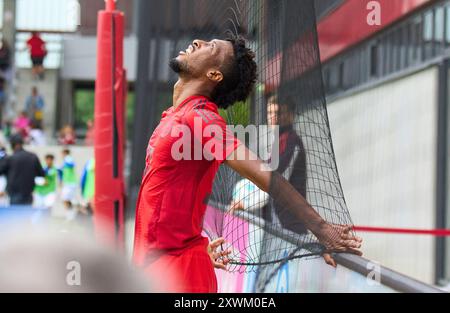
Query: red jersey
x=37, y=46
x=174, y=190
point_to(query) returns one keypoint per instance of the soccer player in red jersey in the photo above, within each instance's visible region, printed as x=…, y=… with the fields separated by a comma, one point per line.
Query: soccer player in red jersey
x=178, y=178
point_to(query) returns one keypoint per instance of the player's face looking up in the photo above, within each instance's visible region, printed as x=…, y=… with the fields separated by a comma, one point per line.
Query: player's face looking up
x=204, y=60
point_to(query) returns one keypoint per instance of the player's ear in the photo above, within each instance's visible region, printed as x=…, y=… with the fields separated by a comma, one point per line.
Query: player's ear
x=215, y=76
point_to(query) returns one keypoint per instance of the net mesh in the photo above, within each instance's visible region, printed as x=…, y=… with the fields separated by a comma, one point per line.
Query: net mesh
x=283, y=35
x=262, y=232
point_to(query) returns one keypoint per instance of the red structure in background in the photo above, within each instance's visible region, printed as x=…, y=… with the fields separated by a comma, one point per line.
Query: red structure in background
x=110, y=96
x=347, y=25
x=343, y=28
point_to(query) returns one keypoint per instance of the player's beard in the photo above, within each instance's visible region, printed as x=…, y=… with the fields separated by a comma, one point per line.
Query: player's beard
x=179, y=67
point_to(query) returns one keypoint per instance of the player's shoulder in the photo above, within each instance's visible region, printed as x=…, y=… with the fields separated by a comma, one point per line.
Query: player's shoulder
x=203, y=103
x=204, y=109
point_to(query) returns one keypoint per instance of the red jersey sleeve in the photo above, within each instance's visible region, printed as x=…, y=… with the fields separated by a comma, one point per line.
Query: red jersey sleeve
x=210, y=133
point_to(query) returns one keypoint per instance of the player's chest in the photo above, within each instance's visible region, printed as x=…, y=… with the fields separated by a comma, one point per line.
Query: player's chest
x=161, y=144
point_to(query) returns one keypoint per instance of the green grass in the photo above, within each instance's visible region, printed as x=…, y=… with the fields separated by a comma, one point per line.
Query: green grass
x=238, y=114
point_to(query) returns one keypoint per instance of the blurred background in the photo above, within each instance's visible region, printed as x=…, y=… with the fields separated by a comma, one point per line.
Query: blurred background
x=387, y=88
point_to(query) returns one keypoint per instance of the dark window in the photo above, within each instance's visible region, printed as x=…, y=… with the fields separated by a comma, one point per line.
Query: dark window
x=334, y=78
x=447, y=25
x=428, y=26
x=397, y=44
x=326, y=77
x=384, y=53
x=439, y=29
x=416, y=30
x=341, y=75
x=390, y=53
x=374, y=60
x=84, y=99
x=439, y=25
x=404, y=46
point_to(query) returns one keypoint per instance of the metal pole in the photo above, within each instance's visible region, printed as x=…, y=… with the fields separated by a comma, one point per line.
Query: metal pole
x=9, y=34
x=389, y=278
x=442, y=183
x=143, y=120
x=9, y=24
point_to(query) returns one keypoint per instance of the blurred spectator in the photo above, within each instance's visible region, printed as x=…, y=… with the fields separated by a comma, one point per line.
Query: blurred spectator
x=4, y=202
x=5, y=65
x=5, y=56
x=89, y=140
x=7, y=128
x=2, y=99
x=22, y=124
x=21, y=169
x=69, y=183
x=36, y=261
x=45, y=193
x=292, y=165
x=37, y=53
x=88, y=186
x=3, y=196
x=34, y=106
x=67, y=136
x=37, y=136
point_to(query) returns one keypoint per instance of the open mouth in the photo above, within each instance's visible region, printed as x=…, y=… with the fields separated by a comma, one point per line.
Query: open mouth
x=189, y=50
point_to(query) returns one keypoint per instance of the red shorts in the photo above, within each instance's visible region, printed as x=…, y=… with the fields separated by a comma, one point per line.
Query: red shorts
x=190, y=272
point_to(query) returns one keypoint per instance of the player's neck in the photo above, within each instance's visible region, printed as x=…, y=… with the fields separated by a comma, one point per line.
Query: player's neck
x=184, y=89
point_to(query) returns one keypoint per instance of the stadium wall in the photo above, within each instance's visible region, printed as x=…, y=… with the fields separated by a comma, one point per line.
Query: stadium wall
x=385, y=145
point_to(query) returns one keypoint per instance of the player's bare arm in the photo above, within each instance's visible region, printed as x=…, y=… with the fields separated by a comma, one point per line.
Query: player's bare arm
x=335, y=238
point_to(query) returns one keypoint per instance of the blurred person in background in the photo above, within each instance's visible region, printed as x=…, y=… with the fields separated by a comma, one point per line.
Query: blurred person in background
x=3, y=99
x=50, y=261
x=36, y=135
x=7, y=128
x=69, y=184
x=292, y=166
x=5, y=75
x=67, y=136
x=22, y=125
x=3, y=195
x=21, y=170
x=5, y=69
x=38, y=52
x=89, y=139
x=45, y=193
x=88, y=186
x=5, y=57
x=34, y=106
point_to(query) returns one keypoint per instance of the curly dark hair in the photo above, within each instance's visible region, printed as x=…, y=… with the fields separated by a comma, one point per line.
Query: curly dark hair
x=239, y=75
